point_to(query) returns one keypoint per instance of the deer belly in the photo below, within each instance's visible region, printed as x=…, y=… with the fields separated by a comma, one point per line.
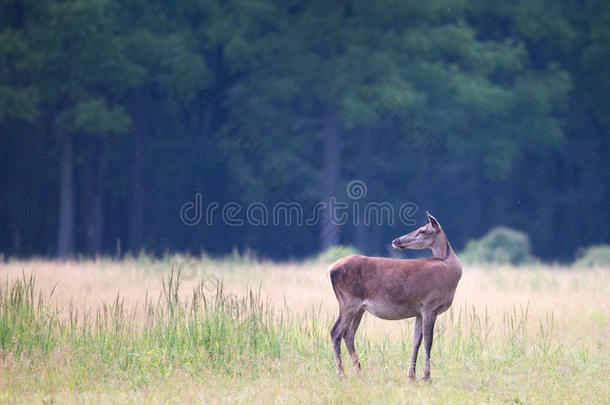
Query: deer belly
x=390, y=311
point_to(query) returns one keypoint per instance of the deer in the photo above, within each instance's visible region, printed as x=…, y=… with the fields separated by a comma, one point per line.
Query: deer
x=396, y=289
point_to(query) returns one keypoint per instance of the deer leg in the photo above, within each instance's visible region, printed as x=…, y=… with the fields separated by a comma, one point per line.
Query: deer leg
x=335, y=335
x=349, y=337
x=417, y=337
x=429, y=320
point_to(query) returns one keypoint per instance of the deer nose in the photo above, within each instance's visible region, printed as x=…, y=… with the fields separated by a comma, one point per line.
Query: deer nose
x=395, y=241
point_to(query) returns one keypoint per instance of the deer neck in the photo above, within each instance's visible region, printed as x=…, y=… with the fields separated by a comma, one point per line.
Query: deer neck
x=441, y=247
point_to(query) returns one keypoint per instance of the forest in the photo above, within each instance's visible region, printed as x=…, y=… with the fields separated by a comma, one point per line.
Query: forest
x=286, y=127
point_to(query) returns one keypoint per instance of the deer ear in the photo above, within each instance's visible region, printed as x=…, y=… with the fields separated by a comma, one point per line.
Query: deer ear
x=433, y=221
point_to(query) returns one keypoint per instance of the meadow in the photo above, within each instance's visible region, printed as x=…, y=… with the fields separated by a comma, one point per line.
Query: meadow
x=186, y=329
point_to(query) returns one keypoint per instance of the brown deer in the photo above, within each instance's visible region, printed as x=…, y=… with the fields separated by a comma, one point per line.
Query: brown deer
x=396, y=289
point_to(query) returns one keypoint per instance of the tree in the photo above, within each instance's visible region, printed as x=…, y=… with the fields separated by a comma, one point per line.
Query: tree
x=113, y=116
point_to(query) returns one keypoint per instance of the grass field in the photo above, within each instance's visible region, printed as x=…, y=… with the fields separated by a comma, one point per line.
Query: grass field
x=247, y=331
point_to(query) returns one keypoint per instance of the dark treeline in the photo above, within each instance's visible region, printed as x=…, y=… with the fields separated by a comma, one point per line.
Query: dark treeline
x=115, y=116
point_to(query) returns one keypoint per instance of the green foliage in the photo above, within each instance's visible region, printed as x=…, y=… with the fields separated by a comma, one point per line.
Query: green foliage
x=335, y=253
x=94, y=117
x=594, y=256
x=501, y=246
x=230, y=99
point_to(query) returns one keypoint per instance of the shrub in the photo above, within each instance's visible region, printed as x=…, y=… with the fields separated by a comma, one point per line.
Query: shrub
x=596, y=255
x=501, y=245
x=336, y=252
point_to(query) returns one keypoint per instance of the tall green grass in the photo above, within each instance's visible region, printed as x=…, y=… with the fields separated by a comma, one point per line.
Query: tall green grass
x=216, y=331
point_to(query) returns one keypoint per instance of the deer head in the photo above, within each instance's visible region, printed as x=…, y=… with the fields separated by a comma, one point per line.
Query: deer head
x=425, y=237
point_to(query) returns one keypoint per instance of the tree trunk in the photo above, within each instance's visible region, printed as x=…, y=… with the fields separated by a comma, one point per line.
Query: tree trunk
x=94, y=227
x=422, y=183
x=65, y=234
x=362, y=237
x=332, y=172
x=97, y=225
x=136, y=211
